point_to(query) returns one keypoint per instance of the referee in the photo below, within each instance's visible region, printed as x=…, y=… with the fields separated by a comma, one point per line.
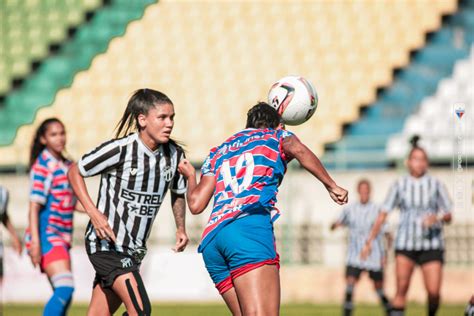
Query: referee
x=425, y=207
x=359, y=218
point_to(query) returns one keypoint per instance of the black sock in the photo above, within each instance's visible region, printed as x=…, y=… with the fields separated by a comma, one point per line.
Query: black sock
x=384, y=300
x=433, y=304
x=397, y=311
x=432, y=309
x=348, y=306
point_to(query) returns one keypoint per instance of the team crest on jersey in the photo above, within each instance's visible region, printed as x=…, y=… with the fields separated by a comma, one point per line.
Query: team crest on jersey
x=126, y=262
x=167, y=173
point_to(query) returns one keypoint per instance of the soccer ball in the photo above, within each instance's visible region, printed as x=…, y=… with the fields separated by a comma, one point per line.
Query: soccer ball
x=294, y=98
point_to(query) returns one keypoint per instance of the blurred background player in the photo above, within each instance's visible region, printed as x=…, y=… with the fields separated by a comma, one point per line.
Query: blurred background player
x=136, y=169
x=359, y=218
x=425, y=207
x=243, y=174
x=52, y=203
x=469, y=311
x=5, y=219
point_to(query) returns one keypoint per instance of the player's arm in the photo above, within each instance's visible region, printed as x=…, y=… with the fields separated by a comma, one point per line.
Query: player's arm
x=373, y=233
x=98, y=220
x=294, y=148
x=14, y=236
x=198, y=195
x=79, y=207
x=35, y=248
x=336, y=224
x=178, y=204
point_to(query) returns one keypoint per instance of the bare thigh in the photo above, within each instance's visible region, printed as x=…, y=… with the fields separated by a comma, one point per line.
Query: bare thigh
x=258, y=291
x=104, y=302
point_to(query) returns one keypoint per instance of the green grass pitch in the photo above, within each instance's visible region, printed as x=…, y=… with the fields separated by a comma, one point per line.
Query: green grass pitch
x=219, y=309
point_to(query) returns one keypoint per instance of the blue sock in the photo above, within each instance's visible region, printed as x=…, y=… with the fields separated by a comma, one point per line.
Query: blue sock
x=63, y=288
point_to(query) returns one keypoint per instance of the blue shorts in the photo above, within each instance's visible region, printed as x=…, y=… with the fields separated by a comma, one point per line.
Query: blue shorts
x=245, y=244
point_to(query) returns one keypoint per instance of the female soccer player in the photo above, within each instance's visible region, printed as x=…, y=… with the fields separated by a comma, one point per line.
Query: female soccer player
x=425, y=206
x=5, y=220
x=359, y=217
x=52, y=203
x=136, y=171
x=243, y=174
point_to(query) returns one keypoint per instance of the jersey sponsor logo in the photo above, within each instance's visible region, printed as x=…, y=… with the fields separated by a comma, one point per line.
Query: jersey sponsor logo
x=133, y=171
x=126, y=262
x=141, y=204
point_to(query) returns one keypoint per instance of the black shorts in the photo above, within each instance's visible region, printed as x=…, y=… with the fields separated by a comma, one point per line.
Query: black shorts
x=355, y=272
x=108, y=265
x=421, y=257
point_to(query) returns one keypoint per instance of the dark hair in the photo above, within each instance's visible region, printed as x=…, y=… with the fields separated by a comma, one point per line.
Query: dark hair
x=363, y=181
x=414, y=146
x=141, y=102
x=262, y=115
x=36, y=146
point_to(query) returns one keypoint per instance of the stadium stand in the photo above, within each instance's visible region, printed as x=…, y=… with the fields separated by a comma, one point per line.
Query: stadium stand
x=30, y=27
x=217, y=59
x=57, y=72
x=435, y=119
x=365, y=140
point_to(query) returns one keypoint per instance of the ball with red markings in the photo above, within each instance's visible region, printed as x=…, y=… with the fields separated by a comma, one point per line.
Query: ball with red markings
x=294, y=98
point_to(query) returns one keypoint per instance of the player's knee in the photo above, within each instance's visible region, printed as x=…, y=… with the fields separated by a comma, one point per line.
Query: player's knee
x=63, y=284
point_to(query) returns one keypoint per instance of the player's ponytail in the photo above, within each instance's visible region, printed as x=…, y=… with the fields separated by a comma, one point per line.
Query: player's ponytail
x=36, y=146
x=141, y=102
x=414, y=141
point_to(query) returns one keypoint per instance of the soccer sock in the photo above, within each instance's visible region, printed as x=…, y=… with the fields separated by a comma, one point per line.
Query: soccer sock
x=384, y=300
x=433, y=304
x=58, y=304
x=397, y=311
x=348, y=306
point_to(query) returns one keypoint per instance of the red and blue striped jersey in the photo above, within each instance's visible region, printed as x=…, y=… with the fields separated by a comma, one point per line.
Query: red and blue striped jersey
x=50, y=188
x=248, y=168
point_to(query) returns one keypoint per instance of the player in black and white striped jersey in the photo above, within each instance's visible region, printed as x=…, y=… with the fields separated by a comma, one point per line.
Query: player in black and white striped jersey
x=359, y=218
x=136, y=172
x=5, y=220
x=425, y=207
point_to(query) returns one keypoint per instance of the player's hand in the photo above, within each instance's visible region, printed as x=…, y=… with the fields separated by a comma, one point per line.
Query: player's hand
x=102, y=227
x=364, y=254
x=35, y=253
x=186, y=169
x=338, y=194
x=181, y=241
x=429, y=220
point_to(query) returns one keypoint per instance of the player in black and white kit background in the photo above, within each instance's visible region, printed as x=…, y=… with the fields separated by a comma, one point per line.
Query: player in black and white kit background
x=359, y=217
x=425, y=207
x=136, y=172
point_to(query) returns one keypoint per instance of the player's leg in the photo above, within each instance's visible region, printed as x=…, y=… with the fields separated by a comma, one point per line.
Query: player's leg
x=232, y=301
x=259, y=291
x=104, y=302
x=57, y=266
x=130, y=289
x=352, y=276
x=404, y=266
x=432, y=268
x=377, y=278
x=249, y=249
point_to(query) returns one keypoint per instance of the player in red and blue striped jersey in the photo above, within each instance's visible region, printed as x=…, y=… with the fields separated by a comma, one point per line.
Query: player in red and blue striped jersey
x=52, y=203
x=243, y=174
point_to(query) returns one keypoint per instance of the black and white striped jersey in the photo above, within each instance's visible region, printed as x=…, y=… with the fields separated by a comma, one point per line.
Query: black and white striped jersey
x=359, y=218
x=417, y=198
x=134, y=182
x=3, y=212
x=3, y=202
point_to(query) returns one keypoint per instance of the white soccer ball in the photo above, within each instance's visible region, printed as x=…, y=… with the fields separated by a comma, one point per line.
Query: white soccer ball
x=294, y=98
